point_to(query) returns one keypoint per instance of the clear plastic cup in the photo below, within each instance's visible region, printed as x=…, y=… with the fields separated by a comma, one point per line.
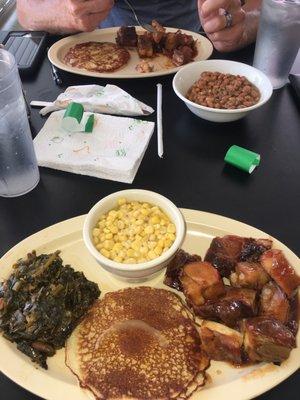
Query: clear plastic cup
x=278, y=39
x=18, y=165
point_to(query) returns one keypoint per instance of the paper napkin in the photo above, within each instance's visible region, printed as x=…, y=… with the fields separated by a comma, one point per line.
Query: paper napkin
x=109, y=99
x=113, y=150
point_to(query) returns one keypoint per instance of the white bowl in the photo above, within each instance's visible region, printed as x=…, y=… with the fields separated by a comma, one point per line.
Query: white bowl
x=141, y=270
x=190, y=73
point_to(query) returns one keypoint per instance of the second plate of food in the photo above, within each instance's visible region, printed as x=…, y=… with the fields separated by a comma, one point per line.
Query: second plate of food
x=221, y=378
x=127, y=62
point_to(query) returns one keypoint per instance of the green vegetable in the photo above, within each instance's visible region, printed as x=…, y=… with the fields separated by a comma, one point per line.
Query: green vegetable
x=42, y=302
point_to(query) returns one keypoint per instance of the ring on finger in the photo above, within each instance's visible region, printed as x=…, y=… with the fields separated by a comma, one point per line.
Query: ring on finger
x=228, y=18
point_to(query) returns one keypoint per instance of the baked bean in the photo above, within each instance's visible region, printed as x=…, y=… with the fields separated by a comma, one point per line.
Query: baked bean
x=224, y=91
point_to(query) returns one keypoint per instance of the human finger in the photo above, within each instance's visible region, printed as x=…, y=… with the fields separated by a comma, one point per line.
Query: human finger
x=233, y=34
x=213, y=6
x=79, y=8
x=89, y=22
x=218, y=23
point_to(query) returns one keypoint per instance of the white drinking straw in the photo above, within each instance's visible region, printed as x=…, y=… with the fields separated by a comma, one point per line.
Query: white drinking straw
x=160, y=144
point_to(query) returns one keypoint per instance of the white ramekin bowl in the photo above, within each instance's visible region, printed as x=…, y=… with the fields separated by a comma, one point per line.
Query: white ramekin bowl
x=190, y=73
x=141, y=270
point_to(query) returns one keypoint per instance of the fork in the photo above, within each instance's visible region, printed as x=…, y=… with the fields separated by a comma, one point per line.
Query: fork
x=147, y=27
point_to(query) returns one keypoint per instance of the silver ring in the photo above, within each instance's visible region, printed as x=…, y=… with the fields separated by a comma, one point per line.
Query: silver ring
x=229, y=19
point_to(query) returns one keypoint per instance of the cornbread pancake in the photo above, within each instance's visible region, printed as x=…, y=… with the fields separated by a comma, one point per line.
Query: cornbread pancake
x=138, y=343
x=97, y=56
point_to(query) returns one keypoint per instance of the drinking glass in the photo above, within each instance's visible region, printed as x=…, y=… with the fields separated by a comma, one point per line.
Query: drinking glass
x=278, y=39
x=18, y=165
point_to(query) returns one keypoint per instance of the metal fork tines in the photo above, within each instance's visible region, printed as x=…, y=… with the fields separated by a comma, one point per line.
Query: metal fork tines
x=147, y=27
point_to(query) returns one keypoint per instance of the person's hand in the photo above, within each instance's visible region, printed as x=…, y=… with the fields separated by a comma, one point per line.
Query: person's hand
x=226, y=33
x=85, y=15
x=63, y=16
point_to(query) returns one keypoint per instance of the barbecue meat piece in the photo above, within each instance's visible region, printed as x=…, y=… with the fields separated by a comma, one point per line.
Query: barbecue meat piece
x=185, y=40
x=221, y=343
x=273, y=303
x=174, y=268
x=277, y=266
x=235, y=305
x=171, y=41
x=159, y=31
x=225, y=252
x=201, y=282
x=267, y=339
x=145, y=45
x=249, y=275
x=254, y=248
x=293, y=317
x=126, y=36
x=182, y=55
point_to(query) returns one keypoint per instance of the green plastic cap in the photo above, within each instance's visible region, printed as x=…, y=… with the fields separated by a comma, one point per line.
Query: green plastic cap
x=241, y=158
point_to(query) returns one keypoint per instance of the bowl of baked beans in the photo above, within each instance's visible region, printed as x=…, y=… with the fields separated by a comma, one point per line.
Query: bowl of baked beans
x=134, y=233
x=221, y=90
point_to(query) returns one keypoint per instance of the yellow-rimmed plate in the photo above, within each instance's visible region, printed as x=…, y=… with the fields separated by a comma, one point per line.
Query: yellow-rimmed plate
x=58, y=382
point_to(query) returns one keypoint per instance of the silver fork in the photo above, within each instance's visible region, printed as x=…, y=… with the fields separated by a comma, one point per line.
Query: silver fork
x=147, y=27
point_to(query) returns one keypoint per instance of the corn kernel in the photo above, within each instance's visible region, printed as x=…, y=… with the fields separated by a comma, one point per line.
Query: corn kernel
x=161, y=243
x=118, y=259
x=108, y=244
x=171, y=228
x=96, y=240
x=154, y=220
x=101, y=224
x=145, y=212
x=158, y=250
x=151, y=254
x=114, y=230
x=96, y=231
x=121, y=201
x=171, y=236
x=130, y=253
x=108, y=236
x=151, y=245
x=149, y=229
x=144, y=249
x=105, y=253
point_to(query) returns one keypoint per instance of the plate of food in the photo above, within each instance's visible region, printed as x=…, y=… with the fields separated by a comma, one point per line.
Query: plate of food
x=129, y=52
x=220, y=317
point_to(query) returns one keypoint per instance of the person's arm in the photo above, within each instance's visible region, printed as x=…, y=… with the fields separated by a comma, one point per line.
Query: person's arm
x=244, y=22
x=62, y=16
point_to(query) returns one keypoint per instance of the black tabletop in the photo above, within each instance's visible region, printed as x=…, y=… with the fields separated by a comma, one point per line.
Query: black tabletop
x=192, y=173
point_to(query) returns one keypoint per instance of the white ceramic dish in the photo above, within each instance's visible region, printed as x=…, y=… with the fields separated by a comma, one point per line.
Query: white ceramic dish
x=58, y=383
x=141, y=270
x=190, y=73
x=58, y=50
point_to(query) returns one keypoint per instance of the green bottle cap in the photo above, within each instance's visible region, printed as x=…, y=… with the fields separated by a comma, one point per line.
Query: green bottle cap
x=72, y=117
x=241, y=158
x=89, y=124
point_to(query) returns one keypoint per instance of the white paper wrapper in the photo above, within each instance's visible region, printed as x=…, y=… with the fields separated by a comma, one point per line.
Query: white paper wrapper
x=114, y=150
x=109, y=99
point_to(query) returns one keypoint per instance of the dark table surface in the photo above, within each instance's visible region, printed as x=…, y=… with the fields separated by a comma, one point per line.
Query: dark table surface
x=192, y=174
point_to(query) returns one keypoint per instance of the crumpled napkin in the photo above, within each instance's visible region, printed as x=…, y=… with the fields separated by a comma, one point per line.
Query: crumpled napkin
x=109, y=99
x=114, y=150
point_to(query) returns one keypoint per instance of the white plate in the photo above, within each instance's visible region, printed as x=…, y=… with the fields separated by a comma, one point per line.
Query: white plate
x=58, y=381
x=58, y=50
